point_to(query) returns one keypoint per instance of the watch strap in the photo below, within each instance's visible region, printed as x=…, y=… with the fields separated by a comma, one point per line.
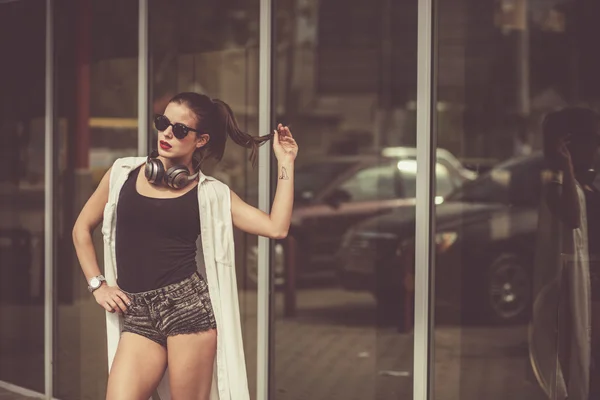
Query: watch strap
x=100, y=278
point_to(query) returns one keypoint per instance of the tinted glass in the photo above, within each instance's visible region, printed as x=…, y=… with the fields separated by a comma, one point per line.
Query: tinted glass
x=345, y=79
x=22, y=193
x=506, y=244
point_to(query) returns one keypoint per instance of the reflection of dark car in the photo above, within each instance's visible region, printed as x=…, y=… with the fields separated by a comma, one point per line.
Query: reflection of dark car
x=336, y=193
x=485, y=234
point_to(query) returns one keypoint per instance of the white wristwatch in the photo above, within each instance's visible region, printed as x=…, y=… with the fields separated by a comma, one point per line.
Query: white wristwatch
x=95, y=283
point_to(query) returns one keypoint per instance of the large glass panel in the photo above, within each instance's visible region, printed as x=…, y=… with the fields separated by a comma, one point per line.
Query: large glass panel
x=345, y=81
x=512, y=286
x=22, y=190
x=211, y=47
x=96, y=43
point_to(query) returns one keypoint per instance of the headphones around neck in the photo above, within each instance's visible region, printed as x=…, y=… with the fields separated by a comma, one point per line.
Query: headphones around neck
x=176, y=177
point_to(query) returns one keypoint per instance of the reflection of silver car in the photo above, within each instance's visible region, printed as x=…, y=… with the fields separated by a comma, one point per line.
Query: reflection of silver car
x=441, y=154
x=335, y=193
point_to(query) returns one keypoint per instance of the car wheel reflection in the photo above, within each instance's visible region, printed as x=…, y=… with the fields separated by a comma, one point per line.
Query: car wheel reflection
x=509, y=289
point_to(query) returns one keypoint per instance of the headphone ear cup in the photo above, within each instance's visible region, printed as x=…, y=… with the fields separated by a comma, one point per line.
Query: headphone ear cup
x=178, y=177
x=154, y=171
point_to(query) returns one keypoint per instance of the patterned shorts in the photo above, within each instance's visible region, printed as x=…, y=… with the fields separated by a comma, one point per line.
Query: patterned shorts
x=180, y=308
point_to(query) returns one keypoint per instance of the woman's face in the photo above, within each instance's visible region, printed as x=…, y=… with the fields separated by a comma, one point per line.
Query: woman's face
x=173, y=148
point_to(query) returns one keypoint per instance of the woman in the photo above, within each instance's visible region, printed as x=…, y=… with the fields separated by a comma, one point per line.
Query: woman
x=561, y=346
x=175, y=299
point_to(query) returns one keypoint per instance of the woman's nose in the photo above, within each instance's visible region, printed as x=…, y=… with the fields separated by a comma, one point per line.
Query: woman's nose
x=168, y=132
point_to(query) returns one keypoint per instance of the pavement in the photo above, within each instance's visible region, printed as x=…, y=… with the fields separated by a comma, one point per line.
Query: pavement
x=6, y=395
x=333, y=349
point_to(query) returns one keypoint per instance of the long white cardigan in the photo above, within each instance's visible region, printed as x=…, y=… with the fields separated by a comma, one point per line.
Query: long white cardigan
x=216, y=246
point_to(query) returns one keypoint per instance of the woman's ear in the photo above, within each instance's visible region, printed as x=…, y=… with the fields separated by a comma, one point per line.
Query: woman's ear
x=202, y=140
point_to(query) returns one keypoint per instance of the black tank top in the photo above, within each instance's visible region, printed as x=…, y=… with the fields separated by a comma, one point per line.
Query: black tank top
x=155, y=238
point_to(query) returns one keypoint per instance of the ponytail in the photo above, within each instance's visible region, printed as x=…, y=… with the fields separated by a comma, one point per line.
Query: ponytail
x=216, y=118
x=226, y=119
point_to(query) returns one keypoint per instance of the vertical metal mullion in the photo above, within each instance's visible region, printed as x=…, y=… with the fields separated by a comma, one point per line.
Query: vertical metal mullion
x=143, y=83
x=425, y=207
x=264, y=195
x=49, y=161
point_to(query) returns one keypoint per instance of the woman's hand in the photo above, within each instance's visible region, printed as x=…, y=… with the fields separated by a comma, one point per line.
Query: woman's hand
x=560, y=155
x=112, y=299
x=284, y=145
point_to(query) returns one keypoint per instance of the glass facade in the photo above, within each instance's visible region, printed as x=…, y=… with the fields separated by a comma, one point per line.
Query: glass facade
x=400, y=277
x=349, y=95
x=503, y=66
x=95, y=123
x=22, y=190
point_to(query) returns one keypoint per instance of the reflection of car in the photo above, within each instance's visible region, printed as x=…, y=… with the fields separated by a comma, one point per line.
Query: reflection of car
x=485, y=243
x=442, y=154
x=336, y=193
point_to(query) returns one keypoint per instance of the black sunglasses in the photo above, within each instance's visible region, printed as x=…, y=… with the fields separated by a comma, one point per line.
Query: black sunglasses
x=180, y=131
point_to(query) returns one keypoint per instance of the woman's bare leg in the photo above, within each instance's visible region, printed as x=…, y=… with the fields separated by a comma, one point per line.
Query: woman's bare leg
x=137, y=368
x=191, y=359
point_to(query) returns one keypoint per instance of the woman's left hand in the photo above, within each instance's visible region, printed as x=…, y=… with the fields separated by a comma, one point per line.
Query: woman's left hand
x=284, y=145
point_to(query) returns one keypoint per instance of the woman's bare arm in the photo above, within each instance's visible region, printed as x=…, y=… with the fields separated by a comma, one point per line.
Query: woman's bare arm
x=257, y=222
x=111, y=298
x=87, y=221
x=276, y=224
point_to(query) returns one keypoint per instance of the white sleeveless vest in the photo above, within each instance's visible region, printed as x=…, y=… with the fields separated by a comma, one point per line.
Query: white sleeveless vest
x=216, y=246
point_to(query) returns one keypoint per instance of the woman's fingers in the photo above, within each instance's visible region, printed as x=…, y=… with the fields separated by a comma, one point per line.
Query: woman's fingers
x=123, y=297
x=113, y=305
x=107, y=307
x=119, y=303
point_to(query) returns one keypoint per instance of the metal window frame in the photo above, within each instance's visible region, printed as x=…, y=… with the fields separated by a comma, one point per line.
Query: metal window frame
x=49, y=161
x=264, y=200
x=423, y=364
x=143, y=78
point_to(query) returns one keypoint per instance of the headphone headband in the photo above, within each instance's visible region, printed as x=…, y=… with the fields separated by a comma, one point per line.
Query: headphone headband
x=176, y=177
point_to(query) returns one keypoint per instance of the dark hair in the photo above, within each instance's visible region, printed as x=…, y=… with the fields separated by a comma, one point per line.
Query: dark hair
x=580, y=122
x=216, y=119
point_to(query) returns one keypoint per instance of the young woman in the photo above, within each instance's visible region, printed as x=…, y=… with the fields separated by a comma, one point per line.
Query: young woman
x=168, y=237
x=561, y=346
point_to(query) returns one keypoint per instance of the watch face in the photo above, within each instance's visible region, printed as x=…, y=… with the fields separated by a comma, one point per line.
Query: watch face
x=94, y=282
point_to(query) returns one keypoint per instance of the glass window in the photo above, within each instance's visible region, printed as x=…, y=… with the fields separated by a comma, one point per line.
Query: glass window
x=311, y=178
x=373, y=183
x=96, y=106
x=408, y=179
x=501, y=254
x=443, y=181
x=516, y=182
x=22, y=192
x=345, y=79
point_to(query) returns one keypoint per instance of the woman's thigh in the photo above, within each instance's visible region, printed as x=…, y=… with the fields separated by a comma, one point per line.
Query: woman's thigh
x=191, y=358
x=137, y=368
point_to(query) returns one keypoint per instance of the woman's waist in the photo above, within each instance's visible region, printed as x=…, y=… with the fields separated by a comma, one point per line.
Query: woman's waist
x=145, y=277
x=183, y=288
